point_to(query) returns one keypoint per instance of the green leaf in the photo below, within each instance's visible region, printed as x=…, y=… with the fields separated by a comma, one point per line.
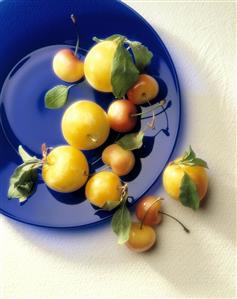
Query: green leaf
x=124, y=72
x=121, y=224
x=190, y=159
x=115, y=36
x=188, y=193
x=56, y=97
x=110, y=38
x=25, y=156
x=188, y=155
x=131, y=141
x=110, y=205
x=141, y=55
x=23, y=181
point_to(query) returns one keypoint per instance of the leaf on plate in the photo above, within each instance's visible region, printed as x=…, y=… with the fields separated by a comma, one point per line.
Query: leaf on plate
x=23, y=181
x=141, y=55
x=25, y=156
x=110, y=38
x=124, y=72
x=56, y=97
x=115, y=36
x=188, y=193
x=190, y=159
x=131, y=141
x=121, y=223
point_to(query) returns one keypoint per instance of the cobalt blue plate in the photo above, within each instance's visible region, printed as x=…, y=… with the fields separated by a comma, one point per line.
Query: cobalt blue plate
x=31, y=33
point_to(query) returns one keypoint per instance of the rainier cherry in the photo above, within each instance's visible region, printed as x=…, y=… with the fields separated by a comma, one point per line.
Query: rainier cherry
x=66, y=64
x=148, y=208
x=144, y=90
x=121, y=117
x=141, y=238
x=120, y=160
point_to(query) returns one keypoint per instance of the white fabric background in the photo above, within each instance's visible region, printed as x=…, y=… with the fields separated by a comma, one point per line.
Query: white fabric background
x=38, y=262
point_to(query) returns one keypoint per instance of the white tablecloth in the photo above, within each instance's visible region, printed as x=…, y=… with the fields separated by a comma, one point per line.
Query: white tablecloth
x=37, y=262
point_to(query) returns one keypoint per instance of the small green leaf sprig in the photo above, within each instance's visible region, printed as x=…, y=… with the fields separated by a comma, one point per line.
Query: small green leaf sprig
x=126, y=67
x=121, y=220
x=190, y=159
x=57, y=97
x=23, y=180
x=188, y=191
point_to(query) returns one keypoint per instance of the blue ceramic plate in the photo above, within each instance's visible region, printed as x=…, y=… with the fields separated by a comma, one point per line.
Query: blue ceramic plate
x=31, y=33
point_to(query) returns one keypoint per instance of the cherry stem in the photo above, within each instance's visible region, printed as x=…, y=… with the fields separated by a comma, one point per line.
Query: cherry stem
x=74, y=21
x=106, y=167
x=184, y=227
x=97, y=160
x=153, y=107
x=154, y=202
x=150, y=124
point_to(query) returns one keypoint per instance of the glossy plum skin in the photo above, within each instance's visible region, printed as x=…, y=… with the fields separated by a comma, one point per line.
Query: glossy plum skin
x=98, y=65
x=67, y=66
x=65, y=169
x=102, y=187
x=145, y=89
x=120, y=160
x=120, y=116
x=173, y=175
x=149, y=206
x=141, y=239
x=85, y=125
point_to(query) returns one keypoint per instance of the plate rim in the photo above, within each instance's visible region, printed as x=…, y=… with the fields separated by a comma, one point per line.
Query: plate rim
x=107, y=218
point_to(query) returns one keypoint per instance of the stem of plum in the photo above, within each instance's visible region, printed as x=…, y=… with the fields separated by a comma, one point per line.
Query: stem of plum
x=44, y=152
x=124, y=193
x=155, y=202
x=74, y=21
x=152, y=108
x=183, y=226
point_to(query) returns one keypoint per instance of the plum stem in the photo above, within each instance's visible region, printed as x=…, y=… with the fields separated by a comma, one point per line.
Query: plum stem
x=184, y=227
x=152, y=108
x=44, y=152
x=154, y=202
x=74, y=21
